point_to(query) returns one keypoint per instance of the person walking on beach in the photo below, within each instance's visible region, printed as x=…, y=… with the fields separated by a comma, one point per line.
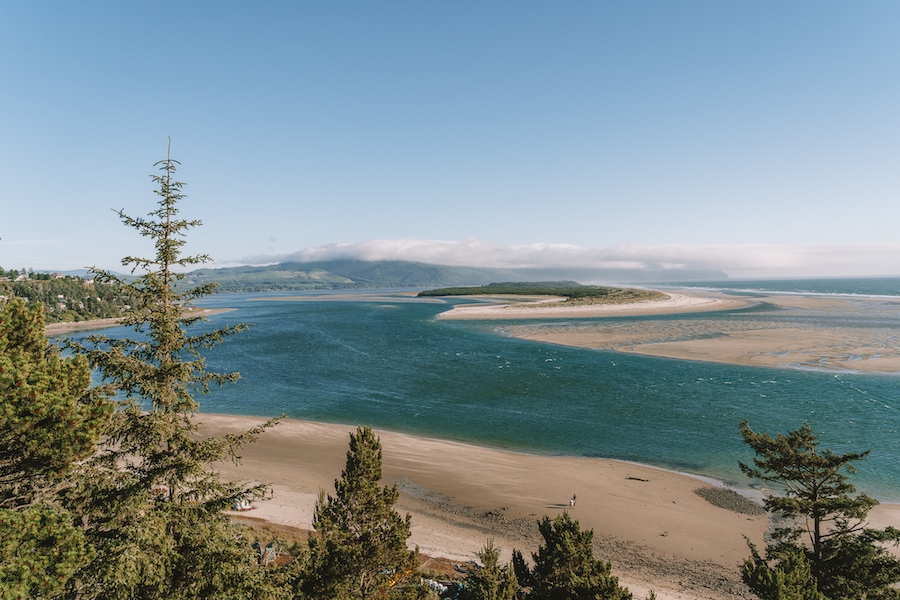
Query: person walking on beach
x=572, y=502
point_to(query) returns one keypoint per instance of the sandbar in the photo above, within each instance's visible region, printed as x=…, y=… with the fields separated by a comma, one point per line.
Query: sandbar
x=54, y=329
x=649, y=523
x=792, y=338
x=517, y=307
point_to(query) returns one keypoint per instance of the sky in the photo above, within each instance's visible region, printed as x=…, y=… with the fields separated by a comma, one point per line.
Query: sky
x=761, y=139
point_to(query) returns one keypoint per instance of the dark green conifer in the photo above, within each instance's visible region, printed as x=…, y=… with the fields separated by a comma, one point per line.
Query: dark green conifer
x=784, y=573
x=359, y=549
x=846, y=558
x=565, y=567
x=490, y=580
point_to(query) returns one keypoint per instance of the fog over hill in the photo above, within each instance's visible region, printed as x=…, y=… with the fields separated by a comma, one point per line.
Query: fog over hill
x=359, y=274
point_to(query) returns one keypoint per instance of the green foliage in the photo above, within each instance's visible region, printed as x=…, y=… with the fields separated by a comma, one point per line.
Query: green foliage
x=569, y=289
x=846, y=559
x=816, y=486
x=490, y=580
x=341, y=274
x=40, y=550
x=49, y=418
x=784, y=573
x=565, y=567
x=857, y=565
x=148, y=501
x=359, y=550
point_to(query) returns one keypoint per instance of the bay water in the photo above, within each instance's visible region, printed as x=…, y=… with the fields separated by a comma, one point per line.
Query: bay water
x=390, y=363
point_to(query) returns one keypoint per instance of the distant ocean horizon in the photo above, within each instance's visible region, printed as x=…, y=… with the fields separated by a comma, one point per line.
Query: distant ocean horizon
x=836, y=286
x=391, y=364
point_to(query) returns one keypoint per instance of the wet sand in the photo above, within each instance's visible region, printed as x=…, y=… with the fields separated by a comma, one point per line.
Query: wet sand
x=651, y=524
x=544, y=307
x=772, y=343
x=54, y=329
x=657, y=532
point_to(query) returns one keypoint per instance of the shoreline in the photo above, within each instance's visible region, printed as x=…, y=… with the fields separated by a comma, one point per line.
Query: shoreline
x=517, y=307
x=54, y=329
x=755, y=342
x=649, y=522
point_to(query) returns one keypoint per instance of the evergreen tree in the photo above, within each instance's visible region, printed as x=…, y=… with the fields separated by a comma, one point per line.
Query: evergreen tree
x=149, y=503
x=783, y=574
x=49, y=420
x=565, y=567
x=49, y=416
x=490, y=581
x=40, y=550
x=359, y=549
x=846, y=559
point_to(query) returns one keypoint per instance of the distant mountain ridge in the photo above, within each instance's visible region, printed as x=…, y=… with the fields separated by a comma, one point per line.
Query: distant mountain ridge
x=360, y=274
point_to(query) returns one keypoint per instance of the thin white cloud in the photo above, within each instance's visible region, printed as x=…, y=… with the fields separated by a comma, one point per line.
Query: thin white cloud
x=738, y=260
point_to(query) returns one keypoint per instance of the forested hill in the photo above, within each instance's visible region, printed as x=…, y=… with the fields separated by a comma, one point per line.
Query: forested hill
x=341, y=274
x=358, y=274
x=69, y=298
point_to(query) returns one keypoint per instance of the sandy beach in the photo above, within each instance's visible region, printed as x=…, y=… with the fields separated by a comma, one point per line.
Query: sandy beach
x=651, y=524
x=54, y=329
x=657, y=532
x=517, y=307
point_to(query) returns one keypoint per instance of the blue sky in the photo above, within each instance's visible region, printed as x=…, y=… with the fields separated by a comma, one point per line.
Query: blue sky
x=758, y=138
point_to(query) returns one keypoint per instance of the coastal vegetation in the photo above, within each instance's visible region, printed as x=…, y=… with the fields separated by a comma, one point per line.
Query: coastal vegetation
x=564, y=565
x=359, y=547
x=574, y=293
x=841, y=557
x=147, y=502
x=67, y=298
x=107, y=489
x=346, y=274
x=50, y=420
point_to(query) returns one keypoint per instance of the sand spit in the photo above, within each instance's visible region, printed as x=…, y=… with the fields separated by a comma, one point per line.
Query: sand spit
x=775, y=342
x=55, y=329
x=515, y=307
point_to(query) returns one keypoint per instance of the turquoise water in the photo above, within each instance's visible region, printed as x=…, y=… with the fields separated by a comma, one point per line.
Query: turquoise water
x=392, y=365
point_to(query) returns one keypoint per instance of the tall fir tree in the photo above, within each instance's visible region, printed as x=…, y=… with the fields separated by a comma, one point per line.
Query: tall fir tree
x=846, y=558
x=359, y=548
x=150, y=504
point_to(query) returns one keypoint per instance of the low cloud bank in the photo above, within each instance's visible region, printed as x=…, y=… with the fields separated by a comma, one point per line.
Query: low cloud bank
x=737, y=260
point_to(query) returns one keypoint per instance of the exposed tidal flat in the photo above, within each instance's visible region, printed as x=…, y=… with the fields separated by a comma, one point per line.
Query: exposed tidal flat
x=390, y=362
